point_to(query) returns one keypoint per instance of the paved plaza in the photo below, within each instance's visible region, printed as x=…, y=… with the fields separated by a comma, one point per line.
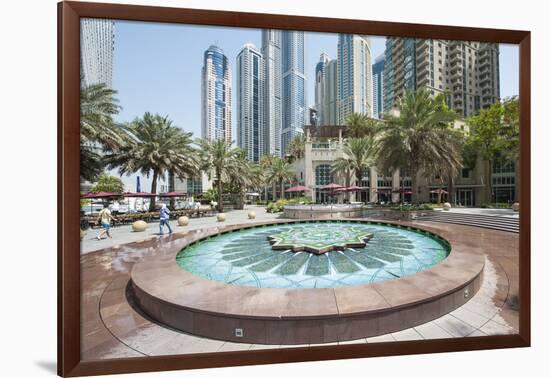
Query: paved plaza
x=124, y=234
x=113, y=327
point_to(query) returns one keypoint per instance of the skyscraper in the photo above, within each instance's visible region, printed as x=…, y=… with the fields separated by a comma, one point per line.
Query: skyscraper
x=320, y=87
x=330, y=107
x=271, y=51
x=294, y=110
x=250, y=102
x=216, y=95
x=354, y=76
x=378, y=87
x=97, y=43
x=465, y=72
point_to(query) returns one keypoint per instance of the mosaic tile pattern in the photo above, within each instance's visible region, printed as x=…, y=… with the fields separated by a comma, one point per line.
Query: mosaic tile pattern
x=319, y=239
x=246, y=257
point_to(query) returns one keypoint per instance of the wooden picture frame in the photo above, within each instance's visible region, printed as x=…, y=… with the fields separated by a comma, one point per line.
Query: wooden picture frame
x=69, y=311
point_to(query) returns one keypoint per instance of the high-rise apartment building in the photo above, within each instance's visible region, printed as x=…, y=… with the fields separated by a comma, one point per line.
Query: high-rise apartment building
x=293, y=96
x=250, y=102
x=271, y=51
x=378, y=87
x=354, y=76
x=466, y=72
x=320, y=87
x=330, y=102
x=216, y=95
x=97, y=42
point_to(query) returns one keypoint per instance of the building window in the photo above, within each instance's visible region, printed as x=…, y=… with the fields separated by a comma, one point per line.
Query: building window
x=323, y=174
x=465, y=171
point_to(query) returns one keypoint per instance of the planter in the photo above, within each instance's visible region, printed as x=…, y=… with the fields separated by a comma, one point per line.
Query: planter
x=183, y=221
x=251, y=215
x=82, y=234
x=446, y=206
x=515, y=206
x=139, y=226
x=221, y=217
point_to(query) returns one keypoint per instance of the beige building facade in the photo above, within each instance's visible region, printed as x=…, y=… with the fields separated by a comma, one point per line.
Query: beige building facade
x=470, y=188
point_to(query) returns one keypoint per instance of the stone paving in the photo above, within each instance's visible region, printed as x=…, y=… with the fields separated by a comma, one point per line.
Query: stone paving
x=124, y=234
x=112, y=328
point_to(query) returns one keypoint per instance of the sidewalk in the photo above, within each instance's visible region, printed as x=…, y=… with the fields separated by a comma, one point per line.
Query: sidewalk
x=124, y=234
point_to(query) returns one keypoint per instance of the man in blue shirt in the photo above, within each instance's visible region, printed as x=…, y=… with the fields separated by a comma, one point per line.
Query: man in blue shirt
x=164, y=219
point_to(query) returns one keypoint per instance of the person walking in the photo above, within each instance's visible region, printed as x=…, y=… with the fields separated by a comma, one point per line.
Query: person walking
x=105, y=218
x=164, y=219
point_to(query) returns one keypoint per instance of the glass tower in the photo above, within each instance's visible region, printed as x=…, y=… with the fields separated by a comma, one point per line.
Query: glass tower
x=97, y=43
x=378, y=87
x=294, y=110
x=216, y=95
x=354, y=76
x=271, y=51
x=250, y=117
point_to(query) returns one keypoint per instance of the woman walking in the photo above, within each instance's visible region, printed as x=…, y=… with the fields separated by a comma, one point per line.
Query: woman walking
x=164, y=218
x=105, y=218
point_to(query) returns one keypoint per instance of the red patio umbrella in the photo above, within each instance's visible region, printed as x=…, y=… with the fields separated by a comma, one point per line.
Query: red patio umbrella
x=138, y=195
x=91, y=195
x=172, y=194
x=355, y=188
x=299, y=188
x=98, y=195
x=331, y=186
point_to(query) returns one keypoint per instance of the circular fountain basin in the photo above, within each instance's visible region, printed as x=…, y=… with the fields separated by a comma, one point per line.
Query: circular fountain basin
x=329, y=281
x=313, y=255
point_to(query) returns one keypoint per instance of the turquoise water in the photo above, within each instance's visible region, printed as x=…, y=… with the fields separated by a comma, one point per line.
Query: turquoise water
x=246, y=258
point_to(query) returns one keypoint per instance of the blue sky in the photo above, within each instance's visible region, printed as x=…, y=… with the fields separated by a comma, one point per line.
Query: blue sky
x=157, y=67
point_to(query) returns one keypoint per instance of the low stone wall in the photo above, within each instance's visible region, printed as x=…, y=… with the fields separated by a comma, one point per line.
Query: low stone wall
x=323, y=212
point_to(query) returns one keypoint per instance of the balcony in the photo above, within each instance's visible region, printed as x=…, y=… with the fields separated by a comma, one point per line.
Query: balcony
x=422, y=56
x=422, y=70
x=422, y=81
x=455, y=58
x=421, y=44
x=486, y=79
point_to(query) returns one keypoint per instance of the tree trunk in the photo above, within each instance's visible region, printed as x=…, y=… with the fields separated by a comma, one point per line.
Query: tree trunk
x=153, y=190
x=220, y=188
x=490, y=180
x=348, y=184
x=274, y=196
x=282, y=189
x=450, y=190
x=414, y=195
x=402, y=186
x=171, y=187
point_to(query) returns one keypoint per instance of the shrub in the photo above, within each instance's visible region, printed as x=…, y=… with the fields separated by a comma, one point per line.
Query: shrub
x=420, y=207
x=498, y=205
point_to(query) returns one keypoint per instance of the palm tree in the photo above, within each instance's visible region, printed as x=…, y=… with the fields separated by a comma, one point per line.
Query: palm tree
x=418, y=133
x=296, y=147
x=266, y=162
x=359, y=126
x=155, y=146
x=391, y=159
x=219, y=156
x=361, y=153
x=345, y=166
x=281, y=171
x=98, y=105
x=243, y=174
x=97, y=108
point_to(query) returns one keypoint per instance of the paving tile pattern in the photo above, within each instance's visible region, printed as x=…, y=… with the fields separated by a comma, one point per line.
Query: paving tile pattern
x=112, y=328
